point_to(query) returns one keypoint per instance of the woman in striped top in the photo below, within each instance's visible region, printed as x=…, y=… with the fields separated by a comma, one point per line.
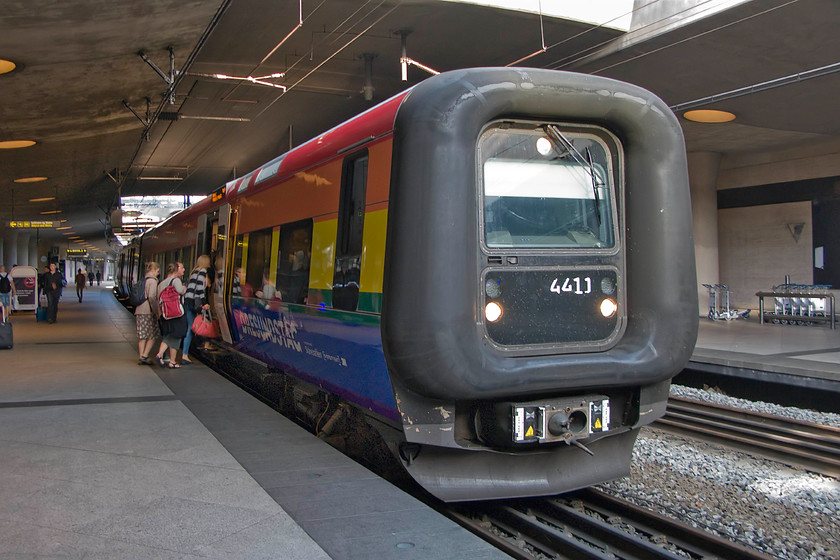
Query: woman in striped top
x=195, y=300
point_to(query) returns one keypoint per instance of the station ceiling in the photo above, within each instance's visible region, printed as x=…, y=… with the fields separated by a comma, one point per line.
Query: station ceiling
x=90, y=86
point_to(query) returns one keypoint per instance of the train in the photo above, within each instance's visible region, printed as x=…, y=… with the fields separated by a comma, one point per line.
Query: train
x=491, y=274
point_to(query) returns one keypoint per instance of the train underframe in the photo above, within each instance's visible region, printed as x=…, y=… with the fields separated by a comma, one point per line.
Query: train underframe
x=451, y=452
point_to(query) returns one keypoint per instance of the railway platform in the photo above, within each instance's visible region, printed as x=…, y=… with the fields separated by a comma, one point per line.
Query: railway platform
x=792, y=357
x=103, y=458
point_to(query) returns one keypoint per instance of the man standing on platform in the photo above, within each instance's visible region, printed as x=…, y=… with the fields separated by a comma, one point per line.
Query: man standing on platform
x=52, y=287
x=98, y=277
x=81, y=279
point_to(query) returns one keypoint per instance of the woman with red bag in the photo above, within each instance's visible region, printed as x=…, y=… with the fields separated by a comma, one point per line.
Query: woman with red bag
x=195, y=301
x=173, y=330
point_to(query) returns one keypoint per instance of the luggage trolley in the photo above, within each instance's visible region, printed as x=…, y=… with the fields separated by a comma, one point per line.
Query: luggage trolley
x=719, y=295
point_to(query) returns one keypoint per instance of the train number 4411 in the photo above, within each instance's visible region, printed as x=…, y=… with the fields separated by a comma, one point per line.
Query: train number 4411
x=577, y=285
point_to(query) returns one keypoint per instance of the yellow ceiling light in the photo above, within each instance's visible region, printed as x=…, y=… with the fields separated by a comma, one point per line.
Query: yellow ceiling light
x=6, y=66
x=30, y=179
x=42, y=199
x=51, y=212
x=12, y=144
x=65, y=227
x=709, y=116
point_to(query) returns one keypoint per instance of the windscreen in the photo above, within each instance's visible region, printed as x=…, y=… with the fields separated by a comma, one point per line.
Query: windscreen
x=546, y=187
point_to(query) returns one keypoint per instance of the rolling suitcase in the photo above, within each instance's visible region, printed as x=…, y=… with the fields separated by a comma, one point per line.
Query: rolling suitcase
x=6, y=340
x=41, y=314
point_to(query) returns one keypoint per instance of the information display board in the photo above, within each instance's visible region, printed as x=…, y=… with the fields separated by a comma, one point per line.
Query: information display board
x=25, y=279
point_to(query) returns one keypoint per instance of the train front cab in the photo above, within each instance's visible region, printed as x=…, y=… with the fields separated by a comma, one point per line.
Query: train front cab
x=539, y=281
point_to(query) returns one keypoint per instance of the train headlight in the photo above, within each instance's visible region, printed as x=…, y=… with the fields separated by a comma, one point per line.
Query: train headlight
x=608, y=308
x=493, y=311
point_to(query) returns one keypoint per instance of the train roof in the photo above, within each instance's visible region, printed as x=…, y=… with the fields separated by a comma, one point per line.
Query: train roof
x=374, y=123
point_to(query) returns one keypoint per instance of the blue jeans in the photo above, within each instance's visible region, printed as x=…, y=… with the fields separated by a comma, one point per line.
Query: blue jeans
x=190, y=318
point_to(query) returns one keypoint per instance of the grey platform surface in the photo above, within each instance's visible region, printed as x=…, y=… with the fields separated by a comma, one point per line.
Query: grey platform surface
x=798, y=351
x=104, y=458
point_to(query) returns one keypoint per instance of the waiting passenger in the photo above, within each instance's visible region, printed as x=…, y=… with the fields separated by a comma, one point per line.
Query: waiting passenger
x=147, y=313
x=195, y=300
x=173, y=330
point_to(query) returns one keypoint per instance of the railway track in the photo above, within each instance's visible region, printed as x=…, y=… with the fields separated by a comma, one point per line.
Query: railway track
x=589, y=524
x=811, y=446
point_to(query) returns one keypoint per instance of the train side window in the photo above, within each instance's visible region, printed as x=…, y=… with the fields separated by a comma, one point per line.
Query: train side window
x=293, y=261
x=351, y=222
x=258, y=267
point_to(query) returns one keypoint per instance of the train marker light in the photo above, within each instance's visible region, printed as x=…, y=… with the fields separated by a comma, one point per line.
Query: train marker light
x=543, y=146
x=608, y=308
x=493, y=311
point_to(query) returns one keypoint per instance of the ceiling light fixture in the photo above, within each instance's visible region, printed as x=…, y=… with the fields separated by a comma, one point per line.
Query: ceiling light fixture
x=42, y=199
x=65, y=227
x=30, y=179
x=709, y=116
x=259, y=80
x=51, y=212
x=6, y=66
x=12, y=144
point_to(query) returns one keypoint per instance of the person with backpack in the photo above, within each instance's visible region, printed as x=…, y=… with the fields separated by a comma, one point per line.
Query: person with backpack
x=173, y=326
x=7, y=291
x=195, y=300
x=146, y=312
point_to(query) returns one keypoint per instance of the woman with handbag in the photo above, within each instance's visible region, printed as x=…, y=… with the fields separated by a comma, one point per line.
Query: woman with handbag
x=195, y=300
x=173, y=327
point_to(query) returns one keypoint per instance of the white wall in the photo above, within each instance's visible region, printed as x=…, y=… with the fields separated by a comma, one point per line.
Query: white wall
x=757, y=249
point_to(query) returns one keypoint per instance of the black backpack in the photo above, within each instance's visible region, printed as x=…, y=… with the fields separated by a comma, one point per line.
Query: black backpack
x=5, y=285
x=138, y=293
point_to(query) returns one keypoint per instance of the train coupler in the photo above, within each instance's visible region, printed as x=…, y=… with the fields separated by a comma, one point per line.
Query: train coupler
x=565, y=420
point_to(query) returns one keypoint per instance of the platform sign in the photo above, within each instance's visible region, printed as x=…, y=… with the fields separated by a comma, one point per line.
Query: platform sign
x=25, y=279
x=31, y=224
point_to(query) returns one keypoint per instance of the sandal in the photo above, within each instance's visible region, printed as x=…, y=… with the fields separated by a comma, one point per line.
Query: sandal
x=173, y=366
x=186, y=362
x=160, y=361
x=144, y=360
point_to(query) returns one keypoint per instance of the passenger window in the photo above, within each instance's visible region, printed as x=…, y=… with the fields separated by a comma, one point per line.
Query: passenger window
x=258, y=270
x=351, y=222
x=293, y=261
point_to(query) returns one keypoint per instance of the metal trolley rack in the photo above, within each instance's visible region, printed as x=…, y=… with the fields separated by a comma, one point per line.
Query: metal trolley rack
x=798, y=304
x=719, y=304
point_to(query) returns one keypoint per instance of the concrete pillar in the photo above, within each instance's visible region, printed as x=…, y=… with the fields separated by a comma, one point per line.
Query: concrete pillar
x=23, y=248
x=702, y=173
x=33, y=251
x=11, y=238
x=3, y=253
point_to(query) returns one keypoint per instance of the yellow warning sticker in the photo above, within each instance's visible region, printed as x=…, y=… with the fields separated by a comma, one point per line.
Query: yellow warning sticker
x=530, y=432
x=598, y=424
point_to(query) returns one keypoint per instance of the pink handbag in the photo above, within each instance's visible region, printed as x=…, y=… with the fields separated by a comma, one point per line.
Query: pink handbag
x=205, y=326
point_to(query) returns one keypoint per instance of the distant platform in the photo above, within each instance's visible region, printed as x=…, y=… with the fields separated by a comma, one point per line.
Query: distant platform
x=794, y=356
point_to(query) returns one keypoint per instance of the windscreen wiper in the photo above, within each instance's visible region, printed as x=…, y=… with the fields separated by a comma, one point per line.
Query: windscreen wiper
x=594, y=186
x=554, y=134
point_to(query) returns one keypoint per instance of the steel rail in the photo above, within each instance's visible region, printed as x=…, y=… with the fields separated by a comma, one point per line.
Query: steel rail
x=589, y=524
x=811, y=446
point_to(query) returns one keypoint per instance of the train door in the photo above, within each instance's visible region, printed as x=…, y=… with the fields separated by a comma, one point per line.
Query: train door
x=351, y=225
x=219, y=230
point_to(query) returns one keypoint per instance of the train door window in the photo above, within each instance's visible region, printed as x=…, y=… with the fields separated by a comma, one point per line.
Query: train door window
x=240, y=287
x=351, y=223
x=258, y=264
x=293, y=261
